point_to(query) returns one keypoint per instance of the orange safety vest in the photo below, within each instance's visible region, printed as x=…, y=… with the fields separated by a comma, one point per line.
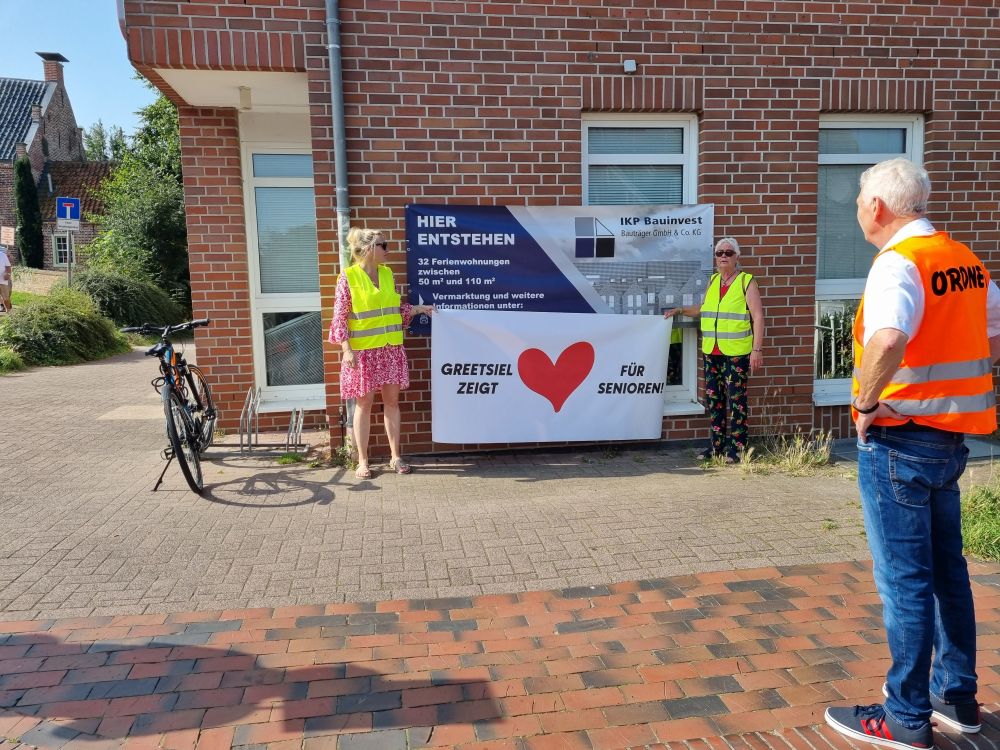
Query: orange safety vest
x=945, y=379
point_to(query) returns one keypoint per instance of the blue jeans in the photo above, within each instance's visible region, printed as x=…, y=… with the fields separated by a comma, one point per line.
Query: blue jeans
x=910, y=498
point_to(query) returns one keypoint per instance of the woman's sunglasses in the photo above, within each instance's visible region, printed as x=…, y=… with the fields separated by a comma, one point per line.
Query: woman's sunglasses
x=383, y=245
x=724, y=253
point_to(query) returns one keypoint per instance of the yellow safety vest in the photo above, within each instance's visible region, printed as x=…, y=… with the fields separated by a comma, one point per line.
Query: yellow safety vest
x=375, y=320
x=726, y=321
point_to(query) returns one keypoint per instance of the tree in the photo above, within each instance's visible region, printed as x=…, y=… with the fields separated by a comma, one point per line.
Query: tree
x=103, y=144
x=27, y=215
x=143, y=232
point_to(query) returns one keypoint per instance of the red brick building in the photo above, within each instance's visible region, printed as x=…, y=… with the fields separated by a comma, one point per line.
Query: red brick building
x=37, y=120
x=777, y=106
x=76, y=179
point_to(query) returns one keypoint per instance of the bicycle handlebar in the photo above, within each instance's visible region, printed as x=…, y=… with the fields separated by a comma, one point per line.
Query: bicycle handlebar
x=164, y=331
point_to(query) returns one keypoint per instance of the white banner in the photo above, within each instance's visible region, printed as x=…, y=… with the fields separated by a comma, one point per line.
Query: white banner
x=514, y=377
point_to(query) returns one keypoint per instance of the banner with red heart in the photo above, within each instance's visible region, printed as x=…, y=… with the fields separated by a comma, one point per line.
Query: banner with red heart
x=511, y=377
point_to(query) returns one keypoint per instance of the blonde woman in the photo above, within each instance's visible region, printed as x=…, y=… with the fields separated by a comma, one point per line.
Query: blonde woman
x=368, y=322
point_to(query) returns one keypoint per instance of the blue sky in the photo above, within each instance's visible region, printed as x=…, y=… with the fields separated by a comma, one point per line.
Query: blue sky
x=98, y=75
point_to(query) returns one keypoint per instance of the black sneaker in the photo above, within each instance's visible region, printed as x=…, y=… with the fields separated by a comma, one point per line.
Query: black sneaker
x=873, y=724
x=961, y=716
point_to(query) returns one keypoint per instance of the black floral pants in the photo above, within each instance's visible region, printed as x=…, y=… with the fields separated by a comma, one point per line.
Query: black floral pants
x=726, y=396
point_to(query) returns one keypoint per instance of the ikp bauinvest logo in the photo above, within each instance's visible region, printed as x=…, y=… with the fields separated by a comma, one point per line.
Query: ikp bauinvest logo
x=593, y=239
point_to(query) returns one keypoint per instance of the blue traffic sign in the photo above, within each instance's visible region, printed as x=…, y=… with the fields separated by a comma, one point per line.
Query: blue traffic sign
x=68, y=208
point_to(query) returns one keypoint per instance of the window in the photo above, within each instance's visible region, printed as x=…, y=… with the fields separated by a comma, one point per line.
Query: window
x=848, y=145
x=648, y=159
x=281, y=233
x=62, y=249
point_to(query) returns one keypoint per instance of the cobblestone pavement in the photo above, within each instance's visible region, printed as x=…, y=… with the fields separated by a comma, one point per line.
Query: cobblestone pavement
x=742, y=660
x=534, y=602
x=83, y=534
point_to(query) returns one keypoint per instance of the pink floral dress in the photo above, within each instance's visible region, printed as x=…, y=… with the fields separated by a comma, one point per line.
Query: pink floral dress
x=373, y=368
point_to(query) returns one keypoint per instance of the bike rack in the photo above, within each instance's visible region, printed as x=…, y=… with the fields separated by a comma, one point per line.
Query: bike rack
x=250, y=420
x=250, y=425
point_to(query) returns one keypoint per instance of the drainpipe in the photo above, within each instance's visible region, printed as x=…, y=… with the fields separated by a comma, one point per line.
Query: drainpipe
x=339, y=134
x=340, y=169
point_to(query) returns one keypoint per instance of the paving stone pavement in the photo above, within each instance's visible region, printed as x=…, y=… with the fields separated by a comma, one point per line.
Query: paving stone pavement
x=588, y=599
x=732, y=659
x=83, y=534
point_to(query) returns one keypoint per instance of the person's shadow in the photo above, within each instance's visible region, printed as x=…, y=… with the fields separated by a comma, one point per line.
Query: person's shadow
x=286, y=684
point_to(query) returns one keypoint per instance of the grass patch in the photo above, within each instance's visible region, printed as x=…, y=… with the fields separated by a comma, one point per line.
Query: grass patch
x=22, y=298
x=286, y=459
x=981, y=521
x=796, y=455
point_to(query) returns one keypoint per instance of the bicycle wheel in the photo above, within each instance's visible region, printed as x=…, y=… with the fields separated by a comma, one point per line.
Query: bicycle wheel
x=181, y=431
x=206, y=416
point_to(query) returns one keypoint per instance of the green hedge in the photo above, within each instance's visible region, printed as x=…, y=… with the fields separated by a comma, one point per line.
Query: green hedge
x=62, y=328
x=128, y=301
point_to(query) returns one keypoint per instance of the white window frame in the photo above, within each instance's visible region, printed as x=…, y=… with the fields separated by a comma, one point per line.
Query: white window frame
x=281, y=397
x=70, y=249
x=837, y=391
x=678, y=400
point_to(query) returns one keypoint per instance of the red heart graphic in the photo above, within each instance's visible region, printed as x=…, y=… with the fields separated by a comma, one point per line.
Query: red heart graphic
x=556, y=381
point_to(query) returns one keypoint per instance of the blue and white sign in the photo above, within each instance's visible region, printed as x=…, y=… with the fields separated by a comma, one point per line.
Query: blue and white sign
x=68, y=213
x=636, y=260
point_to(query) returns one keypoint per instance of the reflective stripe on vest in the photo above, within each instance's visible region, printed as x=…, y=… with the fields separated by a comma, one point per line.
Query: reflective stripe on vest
x=372, y=313
x=943, y=405
x=726, y=321
x=945, y=379
x=369, y=332
x=375, y=320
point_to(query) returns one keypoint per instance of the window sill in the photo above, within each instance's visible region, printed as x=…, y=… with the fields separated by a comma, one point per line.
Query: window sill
x=287, y=404
x=831, y=399
x=682, y=408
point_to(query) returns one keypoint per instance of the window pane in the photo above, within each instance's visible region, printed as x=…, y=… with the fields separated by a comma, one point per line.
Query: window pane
x=616, y=185
x=841, y=248
x=675, y=358
x=282, y=165
x=862, y=140
x=286, y=240
x=635, y=140
x=293, y=348
x=834, y=340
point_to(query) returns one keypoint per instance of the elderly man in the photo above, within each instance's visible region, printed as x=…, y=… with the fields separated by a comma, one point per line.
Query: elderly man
x=925, y=336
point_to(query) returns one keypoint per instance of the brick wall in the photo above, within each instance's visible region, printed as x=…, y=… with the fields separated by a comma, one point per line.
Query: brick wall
x=81, y=238
x=59, y=132
x=213, y=189
x=481, y=102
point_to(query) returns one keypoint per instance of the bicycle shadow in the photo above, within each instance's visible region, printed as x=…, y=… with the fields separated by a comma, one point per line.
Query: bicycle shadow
x=267, y=489
x=94, y=690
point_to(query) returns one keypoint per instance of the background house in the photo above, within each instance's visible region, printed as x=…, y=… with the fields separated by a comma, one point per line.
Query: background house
x=77, y=180
x=768, y=110
x=37, y=120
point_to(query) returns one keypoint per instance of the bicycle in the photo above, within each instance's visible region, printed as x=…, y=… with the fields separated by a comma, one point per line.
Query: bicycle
x=187, y=403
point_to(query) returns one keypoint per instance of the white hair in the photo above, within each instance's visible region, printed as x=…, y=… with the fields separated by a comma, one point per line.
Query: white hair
x=903, y=186
x=731, y=241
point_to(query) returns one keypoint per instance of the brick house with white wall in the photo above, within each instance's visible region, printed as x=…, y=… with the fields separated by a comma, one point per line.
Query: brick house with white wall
x=492, y=103
x=37, y=121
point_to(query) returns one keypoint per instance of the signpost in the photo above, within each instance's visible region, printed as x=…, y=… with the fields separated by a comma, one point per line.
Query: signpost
x=7, y=236
x=68, y=217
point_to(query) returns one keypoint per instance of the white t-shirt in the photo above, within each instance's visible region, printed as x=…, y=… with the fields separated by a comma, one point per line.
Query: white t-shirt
x=894, y=293
x=4, y=265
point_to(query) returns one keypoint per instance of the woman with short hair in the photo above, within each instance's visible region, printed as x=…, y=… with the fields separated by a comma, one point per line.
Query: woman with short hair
x=732, y=328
